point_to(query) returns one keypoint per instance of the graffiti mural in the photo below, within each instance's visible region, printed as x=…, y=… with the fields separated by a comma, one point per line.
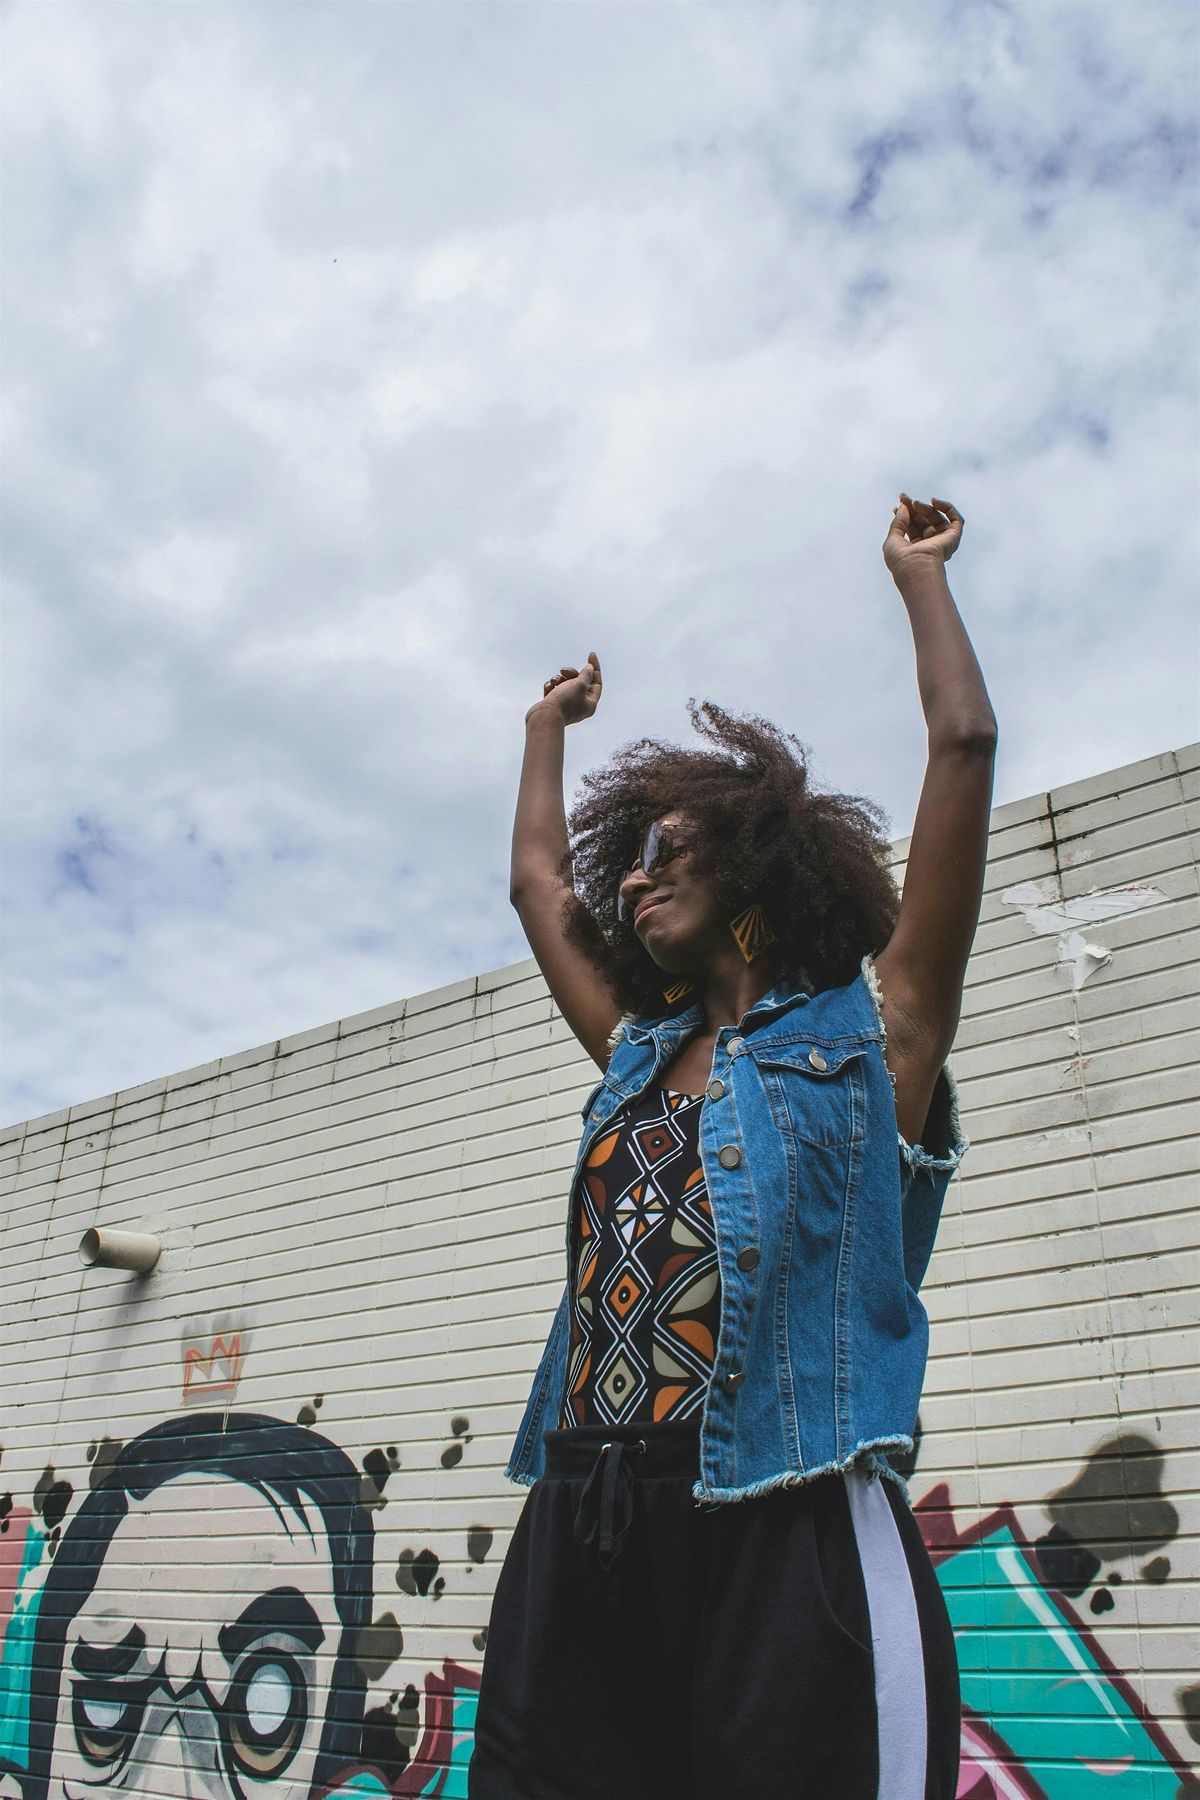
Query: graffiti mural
x=203, y=1625
x=202, y=1621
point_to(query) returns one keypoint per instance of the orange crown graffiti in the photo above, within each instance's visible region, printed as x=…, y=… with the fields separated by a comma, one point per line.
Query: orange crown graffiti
x=215, y=1371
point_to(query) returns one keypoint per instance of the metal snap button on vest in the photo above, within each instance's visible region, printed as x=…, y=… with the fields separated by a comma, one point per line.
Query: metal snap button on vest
x=729, y=1156
x=748, y=1258
x=817, y=1060
x=733, y=1382
x=715, y=1090
x=735, y=1044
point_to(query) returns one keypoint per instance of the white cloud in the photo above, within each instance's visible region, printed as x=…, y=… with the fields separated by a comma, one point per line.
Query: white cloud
x=365, y=363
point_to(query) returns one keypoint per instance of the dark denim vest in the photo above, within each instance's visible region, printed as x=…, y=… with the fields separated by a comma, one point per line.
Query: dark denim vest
x=825, y=1220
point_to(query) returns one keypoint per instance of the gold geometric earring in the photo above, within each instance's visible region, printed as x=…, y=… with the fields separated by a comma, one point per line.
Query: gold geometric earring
x=676, y=991
x=751, y=932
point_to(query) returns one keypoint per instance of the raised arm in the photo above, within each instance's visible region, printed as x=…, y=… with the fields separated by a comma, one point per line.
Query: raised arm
x=539, y=845
x=922, y=967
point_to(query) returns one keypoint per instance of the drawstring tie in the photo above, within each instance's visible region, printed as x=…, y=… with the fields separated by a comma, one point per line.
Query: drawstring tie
x=606, y=1504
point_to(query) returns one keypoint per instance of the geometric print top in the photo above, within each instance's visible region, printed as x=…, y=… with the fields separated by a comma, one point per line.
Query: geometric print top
x=646, y=1300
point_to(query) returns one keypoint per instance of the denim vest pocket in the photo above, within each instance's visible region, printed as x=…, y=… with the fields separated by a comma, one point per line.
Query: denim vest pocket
x=816, y=1090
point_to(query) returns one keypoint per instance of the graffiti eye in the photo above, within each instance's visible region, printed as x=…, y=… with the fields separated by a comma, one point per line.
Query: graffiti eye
x=107, y=1719
x=266, y=1712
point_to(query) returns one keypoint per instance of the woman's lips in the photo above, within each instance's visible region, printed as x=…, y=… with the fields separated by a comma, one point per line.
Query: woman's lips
x=647, y=904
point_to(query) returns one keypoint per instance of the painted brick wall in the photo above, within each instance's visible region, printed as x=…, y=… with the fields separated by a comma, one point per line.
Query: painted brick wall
x=363, y=1234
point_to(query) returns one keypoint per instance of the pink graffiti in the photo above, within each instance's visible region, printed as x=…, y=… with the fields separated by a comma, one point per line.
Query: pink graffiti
x=12, y=1555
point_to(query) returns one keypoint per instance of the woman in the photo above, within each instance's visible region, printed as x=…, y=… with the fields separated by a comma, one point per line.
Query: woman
x=716, y=1586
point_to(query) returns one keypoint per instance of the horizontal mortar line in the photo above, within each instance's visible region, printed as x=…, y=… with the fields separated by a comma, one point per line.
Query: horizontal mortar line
x=975, y=1015
x=1058, y=1053
x=1121, y=798
x=1046, y=1304
x=1054, y=1078
x=947, y=1284
x=1138, y=1419
x=1024, y=959
x=1185, y=1208
x=973, y=1208
x=1056, y=1346
x=1115, y=980
x=1096, y=869
x=1165, y=1109
x=1161, y=837
x=1099, y=1125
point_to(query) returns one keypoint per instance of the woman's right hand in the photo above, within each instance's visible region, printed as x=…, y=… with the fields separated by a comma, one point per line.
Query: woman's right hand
x=573, y=693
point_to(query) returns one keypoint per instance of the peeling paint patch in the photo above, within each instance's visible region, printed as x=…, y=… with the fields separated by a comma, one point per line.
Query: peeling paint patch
x=1083, y=957
x=1048, y=915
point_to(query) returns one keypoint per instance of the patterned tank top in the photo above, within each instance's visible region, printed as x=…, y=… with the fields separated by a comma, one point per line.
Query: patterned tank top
x=645, y=1294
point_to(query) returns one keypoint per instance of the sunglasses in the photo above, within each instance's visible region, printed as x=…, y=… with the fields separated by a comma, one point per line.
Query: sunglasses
x=658, y=849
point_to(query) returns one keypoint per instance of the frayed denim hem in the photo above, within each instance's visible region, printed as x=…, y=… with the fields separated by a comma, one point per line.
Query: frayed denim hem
x=866, y=1458
x=919, y=1158
x=525, y=1480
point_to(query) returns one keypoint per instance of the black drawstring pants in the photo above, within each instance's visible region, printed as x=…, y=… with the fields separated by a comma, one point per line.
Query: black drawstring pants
x=643, y=1648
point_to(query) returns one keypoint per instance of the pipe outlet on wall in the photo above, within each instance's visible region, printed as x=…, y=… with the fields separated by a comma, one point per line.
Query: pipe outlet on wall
x=104, y=1249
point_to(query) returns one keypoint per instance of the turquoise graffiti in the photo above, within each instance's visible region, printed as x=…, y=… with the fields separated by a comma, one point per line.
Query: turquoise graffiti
x=1046, y=1715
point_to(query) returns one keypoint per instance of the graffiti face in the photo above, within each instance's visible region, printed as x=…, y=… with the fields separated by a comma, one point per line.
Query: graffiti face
x=198, y=1627
x=215, y=1679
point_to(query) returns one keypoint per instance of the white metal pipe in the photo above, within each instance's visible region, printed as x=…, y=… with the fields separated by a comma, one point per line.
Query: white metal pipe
x=104, y=1249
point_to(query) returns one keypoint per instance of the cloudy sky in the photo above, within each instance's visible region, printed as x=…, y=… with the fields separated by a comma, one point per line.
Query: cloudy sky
x=364, y=362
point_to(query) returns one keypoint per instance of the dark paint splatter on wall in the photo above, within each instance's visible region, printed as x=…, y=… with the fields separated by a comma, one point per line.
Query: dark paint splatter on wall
x=308, y=1414
x=1064, y=1564
x=415, y=1573
x=1116, y=1504
x=460, y=1425
x=379, y=1645
x=1114, y=1508
x=102, y=1456
x=1189, y=1706
x=391, y=1731
x=51, y=1498
x=479, y=1542
x=5, y=1509
x=378, y=1467
x=480, y=1639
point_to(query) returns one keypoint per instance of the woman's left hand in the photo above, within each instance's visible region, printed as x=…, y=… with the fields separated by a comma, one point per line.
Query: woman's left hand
x=920, y=535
